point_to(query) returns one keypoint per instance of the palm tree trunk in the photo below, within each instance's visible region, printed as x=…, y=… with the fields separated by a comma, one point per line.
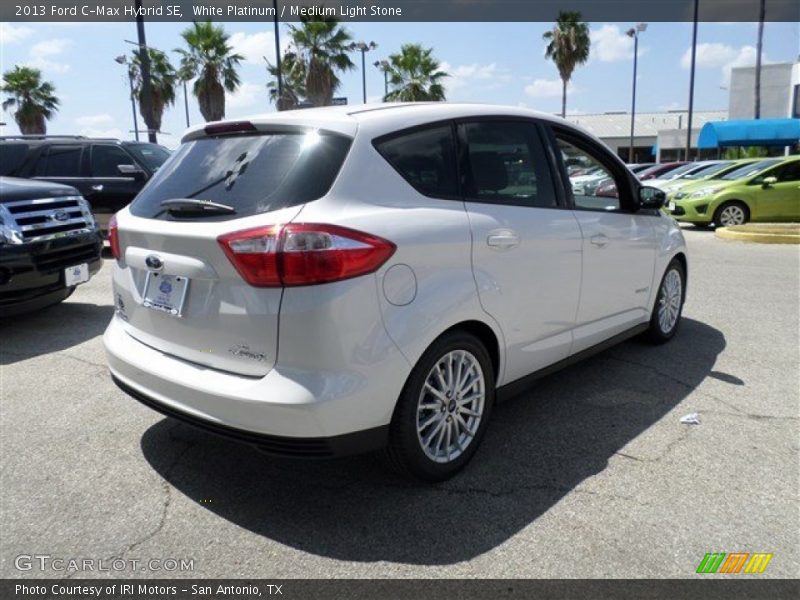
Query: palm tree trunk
x=563, y=98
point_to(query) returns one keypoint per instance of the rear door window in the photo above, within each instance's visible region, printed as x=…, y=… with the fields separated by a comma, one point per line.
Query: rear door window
x=60, y=161
x=425, y=158
x=253, y=173
x=506, y=164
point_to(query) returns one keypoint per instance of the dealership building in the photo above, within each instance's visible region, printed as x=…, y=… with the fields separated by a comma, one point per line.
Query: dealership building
x=661, y=136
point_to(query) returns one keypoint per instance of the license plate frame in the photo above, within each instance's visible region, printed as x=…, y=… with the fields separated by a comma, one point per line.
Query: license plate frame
x=76, y=274
x=169, y=298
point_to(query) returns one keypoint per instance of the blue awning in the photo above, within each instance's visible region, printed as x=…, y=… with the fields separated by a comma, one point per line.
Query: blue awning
x=754, y=132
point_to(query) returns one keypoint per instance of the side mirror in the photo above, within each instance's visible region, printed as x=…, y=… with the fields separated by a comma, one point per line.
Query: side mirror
x=769, y=181
x=132, y=171
x=651, y=197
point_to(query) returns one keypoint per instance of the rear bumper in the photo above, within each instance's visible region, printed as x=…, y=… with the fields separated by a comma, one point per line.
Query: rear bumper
x=320, y=447
x=295, y=413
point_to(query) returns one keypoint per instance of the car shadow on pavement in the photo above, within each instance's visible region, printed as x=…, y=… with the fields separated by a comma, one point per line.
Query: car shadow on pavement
x=539, y=447
x=51, y=330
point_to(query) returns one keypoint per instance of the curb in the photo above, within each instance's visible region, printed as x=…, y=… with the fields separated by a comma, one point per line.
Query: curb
x=757, y=237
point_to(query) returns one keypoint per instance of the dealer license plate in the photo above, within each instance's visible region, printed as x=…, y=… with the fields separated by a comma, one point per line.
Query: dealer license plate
x=76, y=275
x=166, y=293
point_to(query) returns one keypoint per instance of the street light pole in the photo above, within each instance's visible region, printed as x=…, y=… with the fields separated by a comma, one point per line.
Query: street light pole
x=364, y=47
x=123, y=60
x=691, y=83
x=759, y=48
x=634, y=33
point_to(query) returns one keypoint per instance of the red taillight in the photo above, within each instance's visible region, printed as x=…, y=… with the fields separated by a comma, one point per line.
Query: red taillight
x=113, y=237
x=303, y=254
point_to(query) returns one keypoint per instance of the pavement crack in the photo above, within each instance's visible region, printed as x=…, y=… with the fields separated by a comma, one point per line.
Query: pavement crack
x=167, y=490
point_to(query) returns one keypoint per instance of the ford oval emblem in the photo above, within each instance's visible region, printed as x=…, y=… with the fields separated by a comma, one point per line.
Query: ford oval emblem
x=154, y=263
x=60, y=215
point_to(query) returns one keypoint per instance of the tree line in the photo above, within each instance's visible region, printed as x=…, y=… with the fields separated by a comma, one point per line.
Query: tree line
x=317, y=55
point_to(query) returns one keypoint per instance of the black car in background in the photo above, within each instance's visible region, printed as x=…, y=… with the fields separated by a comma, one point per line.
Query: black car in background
x=107, y=172
x=49, y=244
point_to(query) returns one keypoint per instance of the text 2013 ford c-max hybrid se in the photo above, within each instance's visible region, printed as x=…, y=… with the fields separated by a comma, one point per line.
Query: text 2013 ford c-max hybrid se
x=328, y=281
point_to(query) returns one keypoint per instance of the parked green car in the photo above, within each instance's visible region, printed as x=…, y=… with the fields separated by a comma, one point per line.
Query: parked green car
x=712, y=171
x=765, y=190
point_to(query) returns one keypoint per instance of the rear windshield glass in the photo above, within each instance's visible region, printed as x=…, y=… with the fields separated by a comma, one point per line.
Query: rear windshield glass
x=151, y=155
x=11, y=157
x=253, y=174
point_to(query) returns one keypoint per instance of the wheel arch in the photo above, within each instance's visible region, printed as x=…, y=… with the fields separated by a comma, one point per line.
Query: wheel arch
x=485, y=334
x=732, y=200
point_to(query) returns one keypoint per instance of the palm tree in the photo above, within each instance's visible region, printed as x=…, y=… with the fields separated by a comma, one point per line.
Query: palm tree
x=212, y=61
x=163, y=79
x=35, y=99
x=414, y=75
x=322, y=46
x=293, y=71
x=568, y=46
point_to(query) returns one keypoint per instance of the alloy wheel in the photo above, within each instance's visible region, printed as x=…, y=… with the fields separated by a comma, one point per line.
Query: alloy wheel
x=732, y=215
x=669, y=300
x=450, y=406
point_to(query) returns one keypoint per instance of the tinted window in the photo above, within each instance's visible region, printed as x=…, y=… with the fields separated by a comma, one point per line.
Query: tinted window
x=425, y=158
x=709, y=171
x=585, y=187
x=788, y=172
x=151, y=156
x=750, y=169
x=507, y=164
x=253, y=174
x=60, y=161
x=11, y=157
x=106, y=159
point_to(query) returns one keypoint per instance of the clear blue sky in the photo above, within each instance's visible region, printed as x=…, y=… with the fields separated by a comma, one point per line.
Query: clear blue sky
x=489, y=62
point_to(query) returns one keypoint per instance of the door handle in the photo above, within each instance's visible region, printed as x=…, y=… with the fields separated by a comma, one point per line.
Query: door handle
x=599, y=240
x=97, y=188
x=503, y=239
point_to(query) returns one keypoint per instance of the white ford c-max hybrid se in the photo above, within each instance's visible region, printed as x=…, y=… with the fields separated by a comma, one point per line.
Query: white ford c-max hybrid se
x=335, y=280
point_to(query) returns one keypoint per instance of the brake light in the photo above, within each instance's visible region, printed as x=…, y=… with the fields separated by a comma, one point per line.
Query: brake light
x=303, y=254
x=113, y=237
x=229, y=127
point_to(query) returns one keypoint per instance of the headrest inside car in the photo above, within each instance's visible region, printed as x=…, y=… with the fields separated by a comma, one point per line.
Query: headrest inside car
x=489, y=171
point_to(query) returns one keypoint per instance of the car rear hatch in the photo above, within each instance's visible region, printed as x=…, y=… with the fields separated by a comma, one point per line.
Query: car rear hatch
x=177, y=288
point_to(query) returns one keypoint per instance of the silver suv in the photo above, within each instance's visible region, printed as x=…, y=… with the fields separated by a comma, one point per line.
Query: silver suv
x=336, y=280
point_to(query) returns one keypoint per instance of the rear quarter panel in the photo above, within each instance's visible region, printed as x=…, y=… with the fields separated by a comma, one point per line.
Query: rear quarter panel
x=427, y=286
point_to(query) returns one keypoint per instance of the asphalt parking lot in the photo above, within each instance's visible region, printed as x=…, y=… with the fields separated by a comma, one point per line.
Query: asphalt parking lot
x=589, y=474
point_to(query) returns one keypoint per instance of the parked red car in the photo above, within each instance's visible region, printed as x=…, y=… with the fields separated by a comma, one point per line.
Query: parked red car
x=659, y=170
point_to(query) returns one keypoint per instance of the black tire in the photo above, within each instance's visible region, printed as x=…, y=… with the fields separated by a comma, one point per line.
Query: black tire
x=405, y=450
x=656, y=333
x=731, y=204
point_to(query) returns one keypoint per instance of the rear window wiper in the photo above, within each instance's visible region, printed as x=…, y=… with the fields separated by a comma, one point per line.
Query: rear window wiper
x=195, y=205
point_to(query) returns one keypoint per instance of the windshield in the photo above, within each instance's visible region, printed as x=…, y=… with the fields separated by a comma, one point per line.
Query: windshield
x=679, y=171
x=708, y=171
x=151, y=156
x=657, y=170
x=252, y=174
x=751, y=169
